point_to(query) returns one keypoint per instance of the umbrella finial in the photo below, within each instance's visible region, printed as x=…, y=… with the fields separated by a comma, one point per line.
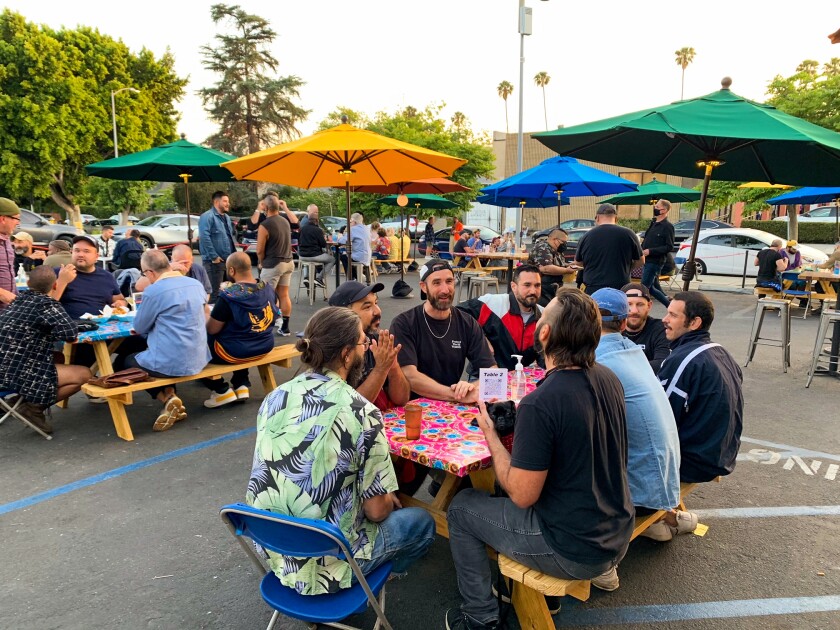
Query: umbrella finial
x=344, y=119
x=183, y=136
x=726, y=83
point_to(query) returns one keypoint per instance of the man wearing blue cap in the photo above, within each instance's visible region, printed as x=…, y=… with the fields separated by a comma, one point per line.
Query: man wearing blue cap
x=653, y=444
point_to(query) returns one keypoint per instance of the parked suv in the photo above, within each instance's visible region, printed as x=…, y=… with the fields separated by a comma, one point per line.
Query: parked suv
x=43, y=232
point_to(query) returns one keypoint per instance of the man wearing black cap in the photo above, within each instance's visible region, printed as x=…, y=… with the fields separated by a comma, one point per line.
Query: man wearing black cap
x=383, y=382
x=437, y=340
x=646, y=332
x=607, y=252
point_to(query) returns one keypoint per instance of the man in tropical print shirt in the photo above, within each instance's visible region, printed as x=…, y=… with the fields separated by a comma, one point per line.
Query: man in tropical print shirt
x=321, y=453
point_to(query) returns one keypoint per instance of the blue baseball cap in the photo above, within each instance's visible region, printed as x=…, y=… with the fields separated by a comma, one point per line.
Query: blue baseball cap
x=613, y=301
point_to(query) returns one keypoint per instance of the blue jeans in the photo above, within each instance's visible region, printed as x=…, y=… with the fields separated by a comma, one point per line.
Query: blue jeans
x=475, y=520
x=404, y=537
x=650, y=278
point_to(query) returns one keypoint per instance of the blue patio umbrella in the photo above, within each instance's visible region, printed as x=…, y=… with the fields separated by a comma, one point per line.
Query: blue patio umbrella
x=813, y=194
x=524, y=202
x=558, y=178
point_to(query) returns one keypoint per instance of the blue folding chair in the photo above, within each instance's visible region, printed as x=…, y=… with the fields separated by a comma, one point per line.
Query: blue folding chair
x=306, y=538
x=802, y=294
x=10, y=406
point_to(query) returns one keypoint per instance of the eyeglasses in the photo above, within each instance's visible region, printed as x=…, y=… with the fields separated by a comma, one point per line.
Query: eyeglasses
x=17, y=218
x=365, y=343
x=145, y=271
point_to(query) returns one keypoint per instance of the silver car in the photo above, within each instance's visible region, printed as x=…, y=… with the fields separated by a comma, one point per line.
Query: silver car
x=43, y=231
x=161, y=229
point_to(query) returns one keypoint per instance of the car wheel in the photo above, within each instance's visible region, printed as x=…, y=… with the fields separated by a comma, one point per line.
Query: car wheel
x=67, y=238
x=700, y=265
x=147, y=242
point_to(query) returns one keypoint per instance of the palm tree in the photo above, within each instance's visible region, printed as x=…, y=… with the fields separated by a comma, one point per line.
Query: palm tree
x=458, y=121
x=808, y=66
x=832, y=68
x=542, y=79
x=684, y=57
x=505, y=89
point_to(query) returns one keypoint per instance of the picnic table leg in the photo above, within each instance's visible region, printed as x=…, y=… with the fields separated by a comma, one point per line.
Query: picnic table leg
x=120, y=418
x=510, y=271
x=531, y=609
x=484, y=479
x=447, y=490
x=267, y=378
x=69, y=352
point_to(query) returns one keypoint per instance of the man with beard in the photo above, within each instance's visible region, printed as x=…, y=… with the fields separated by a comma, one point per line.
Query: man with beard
x=383, y=382
x=509, y=319
x=568, y=511
x=646, y=332
x=548, y=257
x=357, y=493
x=24, y=253
x=437, y=340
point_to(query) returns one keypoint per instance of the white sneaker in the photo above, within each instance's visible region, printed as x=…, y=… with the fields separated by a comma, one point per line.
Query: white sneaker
x=242, y=393
x=663, y=532
x=659, y=531
x=218, y=400
x=686, y=522
x=607, y=581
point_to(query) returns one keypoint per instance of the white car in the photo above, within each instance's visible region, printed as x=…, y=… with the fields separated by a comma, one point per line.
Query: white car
x=722, y=251
x=823, y=214
x=118, y=217
x=161, y=229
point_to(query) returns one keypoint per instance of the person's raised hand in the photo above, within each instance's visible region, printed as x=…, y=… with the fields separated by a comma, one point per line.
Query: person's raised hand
x=485, y=423
x=465, y=392
x=38, y=255
x=384, y=350
x=67, y=273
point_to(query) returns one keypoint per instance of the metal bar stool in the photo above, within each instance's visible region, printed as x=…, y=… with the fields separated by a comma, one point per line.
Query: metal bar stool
x=464, y=279
x=824, y=357
x=311, y=271
x=783, y=306
x=479, y=285
x=359, y=272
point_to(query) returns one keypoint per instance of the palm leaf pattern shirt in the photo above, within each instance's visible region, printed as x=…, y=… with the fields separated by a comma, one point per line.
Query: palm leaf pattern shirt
x=321, y=452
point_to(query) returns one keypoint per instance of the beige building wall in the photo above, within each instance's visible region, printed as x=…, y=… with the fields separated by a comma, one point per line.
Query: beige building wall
x=534, y=152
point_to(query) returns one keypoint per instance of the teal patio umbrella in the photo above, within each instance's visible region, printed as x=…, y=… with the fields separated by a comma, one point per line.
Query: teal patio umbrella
x=418, y=201
x=652, y=192
x=722, y=133
x=173, y=162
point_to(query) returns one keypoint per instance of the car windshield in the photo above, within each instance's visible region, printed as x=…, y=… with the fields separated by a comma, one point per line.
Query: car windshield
x=150, y=220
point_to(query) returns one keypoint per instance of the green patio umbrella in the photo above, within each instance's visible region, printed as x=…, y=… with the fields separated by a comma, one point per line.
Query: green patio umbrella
x=737, y=139
x=652, y=192
x=173, y=162
x=419, y=201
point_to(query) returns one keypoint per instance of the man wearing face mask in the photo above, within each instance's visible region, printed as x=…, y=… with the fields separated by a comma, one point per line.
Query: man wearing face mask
x=658, y=243
x=548, y=256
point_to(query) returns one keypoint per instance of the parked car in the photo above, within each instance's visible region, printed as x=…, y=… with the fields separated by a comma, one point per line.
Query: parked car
x=118, y=218
x=685, y=229
x=570, y=224
x=822, y=214
x=98, y=224
x=161, y=229
x=84, y=217
x=42, y=231
x=419, y=229
x=442, y=239
x=722, y=251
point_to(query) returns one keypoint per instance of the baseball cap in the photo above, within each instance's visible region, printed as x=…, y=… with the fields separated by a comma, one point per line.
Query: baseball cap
x=636, y=289
x=433, y=265
x=606, y=208
x=792, y=243
x=613, y=301
x=8, y=208
x=23, y=236
x=353, y=291
x=60, y=246
x=87, y=239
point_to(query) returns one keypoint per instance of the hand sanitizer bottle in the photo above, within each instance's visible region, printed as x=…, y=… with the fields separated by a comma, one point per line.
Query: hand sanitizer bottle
x=21, y=275
x=517, y=384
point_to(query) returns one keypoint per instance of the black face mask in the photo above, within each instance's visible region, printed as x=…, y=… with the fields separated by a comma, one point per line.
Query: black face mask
x=561, y=248
x=656, y=211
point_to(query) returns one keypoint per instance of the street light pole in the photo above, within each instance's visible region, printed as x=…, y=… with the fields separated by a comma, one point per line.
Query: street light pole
x=114, y=114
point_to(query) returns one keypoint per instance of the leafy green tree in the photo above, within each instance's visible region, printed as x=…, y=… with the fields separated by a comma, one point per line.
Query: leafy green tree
x=116, y=196
x=505, y=89
x=684, y=56
x=542, y=79
x=253, y=106
x=459, y=120
x=243, y=196
x=335, y=117
x=55, y=97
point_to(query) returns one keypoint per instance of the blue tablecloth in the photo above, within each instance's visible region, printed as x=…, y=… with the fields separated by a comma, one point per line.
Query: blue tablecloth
x=112, y=329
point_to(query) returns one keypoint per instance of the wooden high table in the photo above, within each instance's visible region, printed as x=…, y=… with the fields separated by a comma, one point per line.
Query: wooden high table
x=475, y=260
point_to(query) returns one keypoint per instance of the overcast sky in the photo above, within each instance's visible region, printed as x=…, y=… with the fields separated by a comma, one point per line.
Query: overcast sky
x=604, y=57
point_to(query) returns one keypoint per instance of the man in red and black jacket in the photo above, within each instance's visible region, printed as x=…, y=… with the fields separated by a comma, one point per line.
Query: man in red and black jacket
x=509, y=320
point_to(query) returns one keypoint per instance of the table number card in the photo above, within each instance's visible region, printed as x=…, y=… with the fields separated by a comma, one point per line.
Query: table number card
x=493, y=384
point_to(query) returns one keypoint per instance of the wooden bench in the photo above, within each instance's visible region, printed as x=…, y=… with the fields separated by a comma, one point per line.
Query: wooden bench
x=118, y=397
x=768, y=292
x=529, y=602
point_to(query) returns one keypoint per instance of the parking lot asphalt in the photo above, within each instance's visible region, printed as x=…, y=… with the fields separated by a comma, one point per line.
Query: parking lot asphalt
x=100, y=533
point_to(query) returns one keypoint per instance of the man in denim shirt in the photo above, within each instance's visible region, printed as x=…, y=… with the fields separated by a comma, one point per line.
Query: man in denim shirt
x=215, y=234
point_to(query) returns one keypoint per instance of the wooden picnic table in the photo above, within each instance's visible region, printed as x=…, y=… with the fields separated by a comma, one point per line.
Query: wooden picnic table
x=475, y=260
x=824, y=281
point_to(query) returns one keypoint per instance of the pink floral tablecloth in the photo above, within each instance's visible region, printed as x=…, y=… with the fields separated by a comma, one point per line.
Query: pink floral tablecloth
x=448, y=441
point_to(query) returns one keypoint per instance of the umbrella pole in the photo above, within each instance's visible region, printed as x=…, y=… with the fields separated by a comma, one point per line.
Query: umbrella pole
x=186, y=178
x=349, y=271
x=688, y=268
x=836, y=220
x=402, y=253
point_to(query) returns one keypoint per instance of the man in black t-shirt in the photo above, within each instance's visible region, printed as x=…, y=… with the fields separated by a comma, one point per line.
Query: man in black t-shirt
x=459, y=250
x=646, y=332
x=437, y=340
x=608, y=252
x=771, y=264
x=568, y=512
x=312, y=246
